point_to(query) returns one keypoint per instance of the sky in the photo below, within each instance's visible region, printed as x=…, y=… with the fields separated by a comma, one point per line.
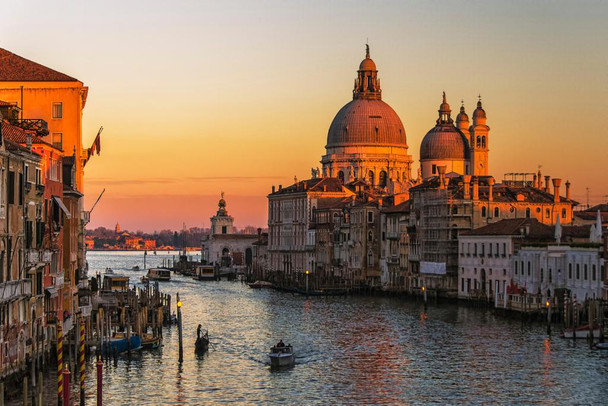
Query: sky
x=200, y=97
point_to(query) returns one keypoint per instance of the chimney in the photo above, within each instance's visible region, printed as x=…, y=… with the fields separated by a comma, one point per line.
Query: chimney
x=272, y=188
x=280, y=187
x=547, y=189
x=556, y=184
x=441, y=170
x=259, y=233
x=490, y=188
x=467, y=186
x=475, y=188
x=534, y=182
x=568, y=189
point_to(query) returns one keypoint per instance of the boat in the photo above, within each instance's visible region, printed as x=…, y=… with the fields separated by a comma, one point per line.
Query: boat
x=282, y=356
x=150, y=341
x=600, y=346
x=115, y=282
x=158, y=274
x=581, y=332
x=205, y=273
x=120, y=344
x=135, y=268
x=260, y=285
x=201, y=345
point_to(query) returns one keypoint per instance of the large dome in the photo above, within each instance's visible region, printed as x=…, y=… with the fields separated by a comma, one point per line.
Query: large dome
x=444, y=142
x=366, y=122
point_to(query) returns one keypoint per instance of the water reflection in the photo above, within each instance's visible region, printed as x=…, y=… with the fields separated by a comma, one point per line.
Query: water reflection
x=349, y=350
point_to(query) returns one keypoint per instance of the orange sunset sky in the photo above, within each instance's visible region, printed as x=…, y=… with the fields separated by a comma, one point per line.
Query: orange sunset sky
x=200, y=97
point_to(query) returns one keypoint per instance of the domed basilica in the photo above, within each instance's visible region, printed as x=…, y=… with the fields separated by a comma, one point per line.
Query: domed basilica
x=366, y=139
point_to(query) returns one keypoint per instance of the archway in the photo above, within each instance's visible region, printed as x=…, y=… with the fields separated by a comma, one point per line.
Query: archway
x=226, y=259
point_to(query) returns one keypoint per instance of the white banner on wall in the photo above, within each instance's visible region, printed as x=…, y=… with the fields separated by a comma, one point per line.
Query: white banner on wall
x=434, y=268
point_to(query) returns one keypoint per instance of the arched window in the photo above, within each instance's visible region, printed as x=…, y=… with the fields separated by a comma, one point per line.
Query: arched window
x=341, y=176
x=527, y=212
x=370, y=236
x=496, y=212
x=478, y=142
x=483, y=211
x=382, y=179
x=370, y=258
x=585, y=271
x=483, y=142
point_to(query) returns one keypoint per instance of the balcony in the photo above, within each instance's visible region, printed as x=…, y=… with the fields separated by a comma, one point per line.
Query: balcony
x=15, y=289
x=28, y=186
x=40, y=126
x=39, y=188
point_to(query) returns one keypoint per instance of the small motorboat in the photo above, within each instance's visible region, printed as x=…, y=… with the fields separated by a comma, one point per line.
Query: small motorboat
x=581, y=332
x=150, y=341
x=601, y=346
x=282, y=355
x=135, y=268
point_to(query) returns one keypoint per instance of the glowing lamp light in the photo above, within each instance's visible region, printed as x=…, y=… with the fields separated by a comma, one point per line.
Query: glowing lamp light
x=423, y=288
x=547, y=303
x=179, y=303
x=307, y=272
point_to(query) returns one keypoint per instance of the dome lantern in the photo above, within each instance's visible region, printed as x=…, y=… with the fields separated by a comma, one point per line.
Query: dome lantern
x=367, y=84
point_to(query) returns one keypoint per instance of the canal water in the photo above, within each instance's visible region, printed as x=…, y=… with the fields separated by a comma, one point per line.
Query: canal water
x=350, y=350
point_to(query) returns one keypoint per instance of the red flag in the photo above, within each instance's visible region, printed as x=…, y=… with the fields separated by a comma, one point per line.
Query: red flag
x=96, y=147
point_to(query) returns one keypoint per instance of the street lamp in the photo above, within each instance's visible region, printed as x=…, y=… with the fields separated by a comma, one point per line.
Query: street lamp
x=424, y=292
x=548, y=305
x=179, y=329
x=307, y=272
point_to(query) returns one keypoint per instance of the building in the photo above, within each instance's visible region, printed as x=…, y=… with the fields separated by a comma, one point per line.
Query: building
x=223, y=246
x=290, y=214
x=395, y=247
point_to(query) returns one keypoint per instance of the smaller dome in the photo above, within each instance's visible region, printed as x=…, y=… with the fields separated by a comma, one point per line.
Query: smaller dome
x=444, y=142
x=479, y=111
x=367, y=64
x=462, y=116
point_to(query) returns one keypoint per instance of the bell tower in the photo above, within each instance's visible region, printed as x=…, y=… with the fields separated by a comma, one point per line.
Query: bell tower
x=479, y=142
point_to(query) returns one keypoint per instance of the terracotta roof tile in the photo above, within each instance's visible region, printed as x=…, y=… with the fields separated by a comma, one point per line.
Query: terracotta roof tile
x=19, y=135
x=14, y=68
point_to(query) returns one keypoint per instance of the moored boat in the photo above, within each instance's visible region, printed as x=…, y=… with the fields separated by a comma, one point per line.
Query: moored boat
x=205, y=273
x=201, y=345
x=581, y=332
x=282, y=355
x=121, y=344
x=150, y=341
x=260, y=285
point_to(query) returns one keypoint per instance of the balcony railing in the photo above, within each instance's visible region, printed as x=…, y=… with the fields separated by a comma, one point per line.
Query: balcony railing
x=15, y=289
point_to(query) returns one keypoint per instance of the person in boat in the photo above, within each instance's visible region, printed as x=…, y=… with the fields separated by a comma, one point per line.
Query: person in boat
x=198, y=331
x=280, y=344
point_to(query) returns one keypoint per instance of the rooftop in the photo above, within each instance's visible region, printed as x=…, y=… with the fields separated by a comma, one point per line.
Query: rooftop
x=14, y=68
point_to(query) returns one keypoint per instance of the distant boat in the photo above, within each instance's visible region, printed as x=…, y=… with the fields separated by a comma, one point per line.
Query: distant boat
x=205, y=273
x=581, y=332
x=260, y=284
x=135, y=268
x=159, y=274
x=201, y=345
x=282, y=356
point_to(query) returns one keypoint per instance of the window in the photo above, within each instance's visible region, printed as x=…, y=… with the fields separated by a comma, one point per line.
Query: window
x=550, y=275
x=58, y=110
x=483, y=211
x=569, y=271
x=541, y=274
x=541, y=271
x=224, y=230
x=527, y=212
x=547, y=213
x=563, y=214
x=593, y=272
x=11, y=188
x=341, y=176
x=483, y=142
x=370, y=259
x=578, y=271
x=38, y=176
x=57, y=140
x=370, y=217
x=434, y=169
x=496, y=212
x=585, y=271
x=370, y=236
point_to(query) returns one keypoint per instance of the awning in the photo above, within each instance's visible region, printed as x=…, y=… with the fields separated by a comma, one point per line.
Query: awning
x=52, y=291
x=62, y=207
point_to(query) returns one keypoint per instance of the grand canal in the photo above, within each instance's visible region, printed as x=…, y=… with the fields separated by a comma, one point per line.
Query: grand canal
x=350, y=350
